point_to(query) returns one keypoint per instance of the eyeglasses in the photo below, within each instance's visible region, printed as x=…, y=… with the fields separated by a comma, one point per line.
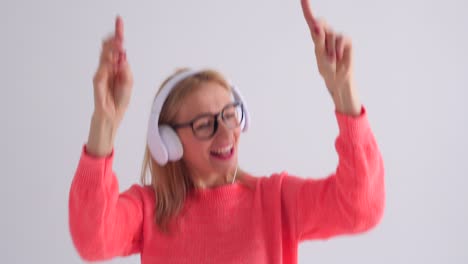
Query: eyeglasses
x=205, y=126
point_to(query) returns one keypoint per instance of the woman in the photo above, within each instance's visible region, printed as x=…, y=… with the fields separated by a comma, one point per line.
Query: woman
x=198, y=207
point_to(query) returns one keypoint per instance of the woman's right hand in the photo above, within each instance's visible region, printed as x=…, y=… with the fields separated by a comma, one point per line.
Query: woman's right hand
x=113, y=81
x=113, y=84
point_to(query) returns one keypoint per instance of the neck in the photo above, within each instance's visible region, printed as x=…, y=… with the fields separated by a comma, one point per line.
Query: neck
x=204, y=181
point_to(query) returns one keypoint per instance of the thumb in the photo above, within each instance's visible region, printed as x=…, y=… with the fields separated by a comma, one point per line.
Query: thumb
x=101, y=82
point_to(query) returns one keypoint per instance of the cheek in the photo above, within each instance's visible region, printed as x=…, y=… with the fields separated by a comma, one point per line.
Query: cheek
x=193, y=148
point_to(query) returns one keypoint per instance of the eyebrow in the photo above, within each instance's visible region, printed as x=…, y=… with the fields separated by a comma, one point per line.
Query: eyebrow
x=203, y=114
x=206, y=114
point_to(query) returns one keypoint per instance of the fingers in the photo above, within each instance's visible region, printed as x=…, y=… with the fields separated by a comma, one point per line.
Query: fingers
x=330, y=39
x=308, y=15
x=108, y=50
x=106, y=63
x=347, y=52
x=330, y=44
x=339, y=46
x=112, y=52
x=327, y=43
x=315, y=26
x=119, y=38
x=318, y=35
x=343, y=54
x=119, y=28
x=109, y=53
x=113, y=65
x=343, y=48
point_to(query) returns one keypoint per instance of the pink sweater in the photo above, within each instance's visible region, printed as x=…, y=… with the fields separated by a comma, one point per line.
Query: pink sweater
x=232, y=223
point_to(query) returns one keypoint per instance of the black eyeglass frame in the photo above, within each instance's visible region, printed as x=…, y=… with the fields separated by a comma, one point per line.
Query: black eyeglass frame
x=215, y=117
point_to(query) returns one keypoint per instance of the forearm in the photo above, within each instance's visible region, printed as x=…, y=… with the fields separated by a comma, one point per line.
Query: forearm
x=103, y=223
x=360, y=172
x=101, y=136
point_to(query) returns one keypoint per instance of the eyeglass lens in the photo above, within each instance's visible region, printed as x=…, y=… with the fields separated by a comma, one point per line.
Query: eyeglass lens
x=206, y=126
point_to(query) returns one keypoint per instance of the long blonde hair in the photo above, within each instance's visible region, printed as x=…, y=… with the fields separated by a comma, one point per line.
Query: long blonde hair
x=172, y=182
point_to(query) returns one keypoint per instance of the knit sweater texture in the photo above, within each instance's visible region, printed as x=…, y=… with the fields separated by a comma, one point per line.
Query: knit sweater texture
x=232, y=223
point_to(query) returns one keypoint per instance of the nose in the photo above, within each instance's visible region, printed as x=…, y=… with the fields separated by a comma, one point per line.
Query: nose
x=222, y=128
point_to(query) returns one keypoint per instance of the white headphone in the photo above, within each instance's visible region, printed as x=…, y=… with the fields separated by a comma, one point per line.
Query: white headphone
x=163, y=142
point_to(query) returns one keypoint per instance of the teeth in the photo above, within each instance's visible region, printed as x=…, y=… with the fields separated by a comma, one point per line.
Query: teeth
x=223, y=150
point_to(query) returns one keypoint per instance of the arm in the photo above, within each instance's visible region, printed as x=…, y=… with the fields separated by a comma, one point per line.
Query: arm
x=352, y=199
x=349, y=201
x=103, y=223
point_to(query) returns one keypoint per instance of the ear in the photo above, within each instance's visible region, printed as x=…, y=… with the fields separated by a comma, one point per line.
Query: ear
x=172, y=142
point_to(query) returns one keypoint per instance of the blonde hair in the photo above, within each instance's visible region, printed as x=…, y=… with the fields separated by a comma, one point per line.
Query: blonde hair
x=172, y=182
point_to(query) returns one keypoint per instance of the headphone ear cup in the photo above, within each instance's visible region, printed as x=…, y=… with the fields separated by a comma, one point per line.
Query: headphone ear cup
x=172, y=142
x=238, y=97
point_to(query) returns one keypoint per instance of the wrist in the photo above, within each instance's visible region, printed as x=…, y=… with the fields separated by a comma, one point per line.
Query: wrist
x=101, y=136
x=346, y=99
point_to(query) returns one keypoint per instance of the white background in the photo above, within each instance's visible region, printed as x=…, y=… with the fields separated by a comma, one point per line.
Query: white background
x=411, y=72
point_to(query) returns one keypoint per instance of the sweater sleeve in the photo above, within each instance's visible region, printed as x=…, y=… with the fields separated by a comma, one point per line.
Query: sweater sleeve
x=103, y=222
x=349, y=201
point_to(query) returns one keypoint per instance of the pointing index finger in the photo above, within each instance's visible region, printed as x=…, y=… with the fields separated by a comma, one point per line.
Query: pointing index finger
x=308, y=15
x=119, y=28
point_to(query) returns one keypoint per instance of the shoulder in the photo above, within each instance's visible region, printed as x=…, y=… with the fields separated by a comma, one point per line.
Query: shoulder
x=273, y=183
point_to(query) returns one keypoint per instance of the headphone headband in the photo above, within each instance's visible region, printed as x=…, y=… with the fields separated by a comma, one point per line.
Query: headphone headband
x=167, y=88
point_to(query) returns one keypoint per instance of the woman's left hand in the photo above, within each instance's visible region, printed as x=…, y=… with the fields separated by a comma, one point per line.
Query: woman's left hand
x=335, y=62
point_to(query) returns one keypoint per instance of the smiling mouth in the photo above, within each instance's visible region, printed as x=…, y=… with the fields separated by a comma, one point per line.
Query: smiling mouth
x=223, y=153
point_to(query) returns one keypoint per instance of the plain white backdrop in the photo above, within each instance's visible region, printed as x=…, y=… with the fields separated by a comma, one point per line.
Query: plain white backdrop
x=411, y=71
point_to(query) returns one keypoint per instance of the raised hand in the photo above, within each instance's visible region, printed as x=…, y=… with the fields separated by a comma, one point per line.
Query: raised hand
x=335, y=62
x=113, y=81
x=113, y=84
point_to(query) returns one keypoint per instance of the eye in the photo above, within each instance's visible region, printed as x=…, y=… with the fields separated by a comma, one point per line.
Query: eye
x=230, y=113
x=203, y=124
